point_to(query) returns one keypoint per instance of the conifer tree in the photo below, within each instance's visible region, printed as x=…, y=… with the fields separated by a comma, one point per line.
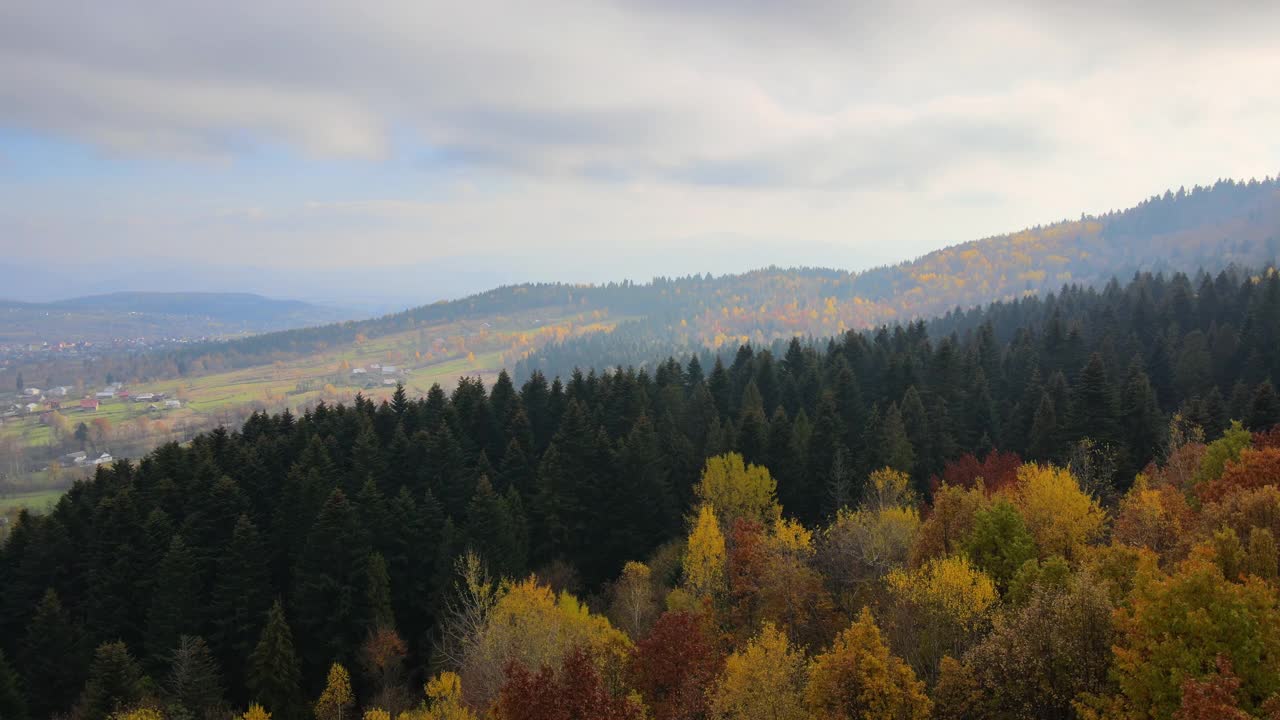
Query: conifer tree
x=12, y=703
x=1095, y=407
x=115, y=683
x=193, y=685
x=52, y=658
x=175, y=605
x=239, y=601
x=273, y=674
x=895, y=449
x=330, y=585
x=1043, y=442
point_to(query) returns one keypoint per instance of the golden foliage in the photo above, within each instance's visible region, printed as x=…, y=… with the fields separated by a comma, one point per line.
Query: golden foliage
x=1060, y=516
x=859, y=679
x=704, y=562
x=737, y=490
x=765, y=679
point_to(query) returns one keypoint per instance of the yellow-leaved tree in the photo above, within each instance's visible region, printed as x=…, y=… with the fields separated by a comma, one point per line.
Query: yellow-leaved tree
x=1061, y=516
x=763, y=680
x=859, y=679
x=336, y=700
x=256, y=712
x=736, y=491
x=942, y=608
x=704, y=560
x=533, y=626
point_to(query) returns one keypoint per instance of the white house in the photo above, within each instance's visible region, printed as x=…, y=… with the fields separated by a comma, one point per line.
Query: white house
x=31, y=392
x=388, y=369
x=173, y=403
x=358, y=371
x=105, y=394
x=31, y=407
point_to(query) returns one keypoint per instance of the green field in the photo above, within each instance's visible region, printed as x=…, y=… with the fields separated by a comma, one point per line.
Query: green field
x=440, y=353
x=38, y=501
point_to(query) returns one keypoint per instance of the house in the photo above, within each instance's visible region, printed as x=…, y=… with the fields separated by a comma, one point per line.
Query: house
x=31, y=407
x=358, y=371
x=105, y=394
x=73, y=458
x=170, y=404
x=388, y=381
x=89, y=404
x=388, y=369
x=375, y=366
x=31, y=392
x=144, y=397
x=53, y=404
x=103, y=459
x=60, y=391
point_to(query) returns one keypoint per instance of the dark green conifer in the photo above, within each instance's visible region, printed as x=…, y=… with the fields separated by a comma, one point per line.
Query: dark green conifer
x=273, y=673
x=116, y=683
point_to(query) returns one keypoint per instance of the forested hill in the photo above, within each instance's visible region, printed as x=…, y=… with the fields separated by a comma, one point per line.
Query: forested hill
x=1206, y=227
x=263, y=555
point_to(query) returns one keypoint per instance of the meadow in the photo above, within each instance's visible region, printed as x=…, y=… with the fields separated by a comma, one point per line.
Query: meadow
x=440, y=353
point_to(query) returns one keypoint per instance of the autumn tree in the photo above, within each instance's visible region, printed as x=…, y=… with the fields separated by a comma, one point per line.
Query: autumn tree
x=577, y=690
x=633, y=607
x=943, y=607
x=1177, y=625
x=1059, y=515
x=335, y=700
x=860, y=679
x=704, y=564
x=674, y=666
x=733, y=489
x=765, y=679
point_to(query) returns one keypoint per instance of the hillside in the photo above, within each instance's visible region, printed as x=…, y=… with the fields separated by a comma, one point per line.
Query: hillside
x=1205, y=228
x=156, y=315
x=455, y=533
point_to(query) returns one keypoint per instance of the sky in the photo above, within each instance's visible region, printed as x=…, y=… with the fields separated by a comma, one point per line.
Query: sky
x=412, y=150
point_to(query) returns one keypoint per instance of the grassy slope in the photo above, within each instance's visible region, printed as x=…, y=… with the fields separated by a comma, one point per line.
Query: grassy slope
x=430, y=354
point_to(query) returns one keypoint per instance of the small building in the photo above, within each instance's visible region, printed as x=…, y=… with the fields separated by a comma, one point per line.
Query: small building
x=53, y=404
x=89, y=404
x=171, y=404
x=73, y=458
x=60, y=391
x=105, y=394
x=31, y=407
x=358, y=371
x=375, y=366
x=389, y=381
x=144, y=397
x=31, y=392
x=388, y=369
x=103, y=459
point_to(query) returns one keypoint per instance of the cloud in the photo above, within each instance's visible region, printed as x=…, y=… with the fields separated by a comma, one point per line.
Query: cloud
x=846, y=127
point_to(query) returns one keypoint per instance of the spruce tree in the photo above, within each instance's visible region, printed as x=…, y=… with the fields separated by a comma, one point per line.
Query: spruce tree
x=175, y=604
x=273, y=675
x=895, y=449
x=116, y=682
x=1264, y=410
x=378, y=593
x=239, y=601
x=193, y=685
x=13, y=706
x=1044, y=440
x=330, y=582
x=1140, y=418
x=1095, y=406
x=52, y=658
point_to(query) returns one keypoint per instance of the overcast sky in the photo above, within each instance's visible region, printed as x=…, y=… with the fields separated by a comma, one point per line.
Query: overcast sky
x=564, y=139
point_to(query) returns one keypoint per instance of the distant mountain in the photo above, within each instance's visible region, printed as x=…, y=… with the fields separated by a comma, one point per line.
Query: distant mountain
x=157, y=315
x=1205, y=228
